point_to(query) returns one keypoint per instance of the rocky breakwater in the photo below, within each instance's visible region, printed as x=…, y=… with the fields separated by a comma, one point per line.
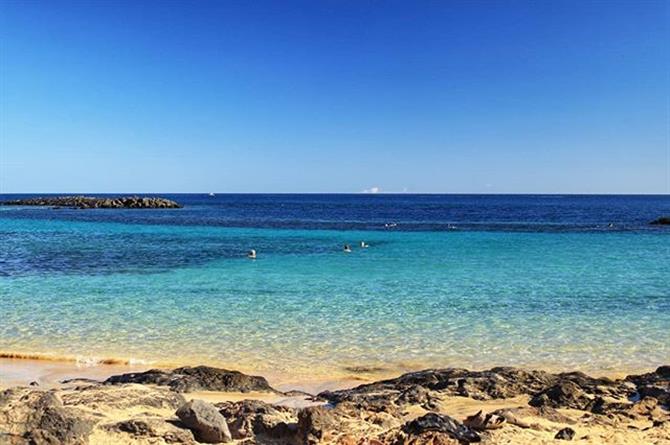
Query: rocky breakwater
x=92, y=202
x=448, y=406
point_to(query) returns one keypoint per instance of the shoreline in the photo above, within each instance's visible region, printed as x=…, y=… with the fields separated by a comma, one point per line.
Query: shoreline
x=51, y=371
x=17, y=368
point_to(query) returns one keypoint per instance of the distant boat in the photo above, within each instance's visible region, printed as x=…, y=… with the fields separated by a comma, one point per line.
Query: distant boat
x=211, y=194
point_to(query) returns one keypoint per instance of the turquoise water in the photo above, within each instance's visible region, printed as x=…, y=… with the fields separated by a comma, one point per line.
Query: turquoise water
x=170, y=293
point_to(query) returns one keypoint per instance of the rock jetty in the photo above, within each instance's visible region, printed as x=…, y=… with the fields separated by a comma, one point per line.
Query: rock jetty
x=447, y=406
x=92, y=202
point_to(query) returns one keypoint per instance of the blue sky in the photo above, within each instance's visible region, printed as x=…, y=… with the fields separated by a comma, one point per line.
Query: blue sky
x=335, y=96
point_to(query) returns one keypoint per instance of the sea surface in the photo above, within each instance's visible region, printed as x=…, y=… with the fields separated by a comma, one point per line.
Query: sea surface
x=558, y=282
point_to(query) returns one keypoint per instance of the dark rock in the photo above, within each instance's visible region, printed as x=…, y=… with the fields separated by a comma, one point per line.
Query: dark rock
x=90, y=202
x=199, y=378
x=443, y=424
x=314, y=425
x=565, y=394
x=653, y=384
x=496, y=383
x=566, y=390
x=662, y=221
x=43, y=419
x=418, y=395
x=207, y=424
x=154, y=428
x=363, y=369
x=249, y=418
x=566, y=433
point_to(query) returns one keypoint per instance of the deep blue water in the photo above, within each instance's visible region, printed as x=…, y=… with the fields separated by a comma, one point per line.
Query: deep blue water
x=552, y=213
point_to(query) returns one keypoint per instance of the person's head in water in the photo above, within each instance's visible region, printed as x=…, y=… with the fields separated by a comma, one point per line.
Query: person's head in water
x=347, y=248
x=252, y=253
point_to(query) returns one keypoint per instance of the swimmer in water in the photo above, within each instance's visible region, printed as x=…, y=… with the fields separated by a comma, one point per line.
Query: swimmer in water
x=252, y=254
x=363, y=245
x=347, y=248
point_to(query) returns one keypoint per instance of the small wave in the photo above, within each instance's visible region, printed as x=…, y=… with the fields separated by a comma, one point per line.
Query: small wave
x=78, y=360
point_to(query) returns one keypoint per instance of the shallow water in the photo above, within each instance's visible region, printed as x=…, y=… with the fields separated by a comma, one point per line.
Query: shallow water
x=460, y=281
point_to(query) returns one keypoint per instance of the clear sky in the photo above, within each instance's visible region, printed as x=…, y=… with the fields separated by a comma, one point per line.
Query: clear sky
x=335, y=96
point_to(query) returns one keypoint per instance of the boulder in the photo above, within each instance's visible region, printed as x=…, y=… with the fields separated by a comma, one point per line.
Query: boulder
x=565, y=394
x=653, y=384
x=316, y=425
x=249, y=418
x=152, y=430
x=441, y=423
x=199, y=378
x=207, y=424
x=39, y=417
x=566, y=433
x=662, y=221
x=120, y=398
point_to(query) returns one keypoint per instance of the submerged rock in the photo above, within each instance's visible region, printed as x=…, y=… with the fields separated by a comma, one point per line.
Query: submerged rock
x=207, y=424
x=199, y=378
x=91, y=202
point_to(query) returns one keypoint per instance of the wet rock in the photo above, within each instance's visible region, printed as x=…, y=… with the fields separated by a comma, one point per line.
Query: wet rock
x=207, y=424
x=653, y=384
x=199, y=378
x=565, y=434
x=90, y=202
x=441, y=423
x=496, y=383
x=662, y=221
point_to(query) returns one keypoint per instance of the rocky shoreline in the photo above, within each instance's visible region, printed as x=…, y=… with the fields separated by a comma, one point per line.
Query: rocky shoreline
x=92, y=202
x=192, y=405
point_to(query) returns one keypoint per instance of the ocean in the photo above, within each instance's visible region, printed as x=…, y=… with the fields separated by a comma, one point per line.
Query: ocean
x=549, y=281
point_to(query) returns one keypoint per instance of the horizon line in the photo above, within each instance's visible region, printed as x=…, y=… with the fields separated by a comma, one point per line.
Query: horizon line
x=341, y=193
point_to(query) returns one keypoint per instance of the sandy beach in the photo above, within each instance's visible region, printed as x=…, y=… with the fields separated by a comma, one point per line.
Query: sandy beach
x=47, y=402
